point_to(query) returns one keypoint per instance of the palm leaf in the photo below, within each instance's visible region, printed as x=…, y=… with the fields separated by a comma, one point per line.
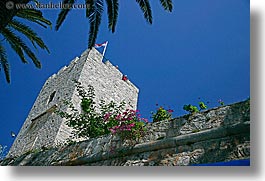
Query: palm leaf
x=113, y=8
x=4, y=63
x=18, y=50
x=89, y=4
x=63, y=13
x=94, y=16
x=146, y=8
x=34, y=16
x=14, y=40
x=29, y=33
x=167, y=4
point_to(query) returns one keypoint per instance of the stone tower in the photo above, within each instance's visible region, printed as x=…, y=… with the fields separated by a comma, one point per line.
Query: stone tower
x=43, y=127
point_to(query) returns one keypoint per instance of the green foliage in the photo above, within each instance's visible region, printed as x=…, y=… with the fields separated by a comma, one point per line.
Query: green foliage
x=146, y=9
x=202, y=105
x=35, y=16
x=221, y=102
x=190, y=108
x=107, y=118
x=62, y=15
x=130, y=126
x=167, y=4
x=193, y=109
x=14, y=26
x=113, y=8
x=94, y=12
x=4, y=62
x=161, y=114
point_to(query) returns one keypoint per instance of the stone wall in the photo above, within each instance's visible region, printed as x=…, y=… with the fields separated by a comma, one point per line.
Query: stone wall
x=45, y=128
x=219, y=134
x=61, y=86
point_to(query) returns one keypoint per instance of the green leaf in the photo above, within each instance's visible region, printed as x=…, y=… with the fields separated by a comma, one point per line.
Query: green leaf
x=113, y=8
x=29, y=33
x=167, y=4
x=202, y=105
x=63, y=13
x=16, y=41
x=94, y=15
x=146, y=8
x=34, y=16
x=4, y=62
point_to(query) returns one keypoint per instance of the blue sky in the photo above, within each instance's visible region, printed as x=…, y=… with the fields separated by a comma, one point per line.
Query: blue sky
x=201, y=49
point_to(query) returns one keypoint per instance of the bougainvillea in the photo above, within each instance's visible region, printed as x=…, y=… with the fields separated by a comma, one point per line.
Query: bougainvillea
x=94, y=121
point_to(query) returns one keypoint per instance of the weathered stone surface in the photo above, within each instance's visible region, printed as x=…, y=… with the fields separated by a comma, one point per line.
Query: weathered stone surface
x=45, y=128
x=229, y=140
x=217, y=117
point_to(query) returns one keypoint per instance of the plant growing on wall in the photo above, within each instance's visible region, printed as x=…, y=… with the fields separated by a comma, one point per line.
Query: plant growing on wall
x=202, y=105
x=161, y=114
x=221, y=102
x=193, y=109
x=128, y=124
x=190, y=108
x=106, y=118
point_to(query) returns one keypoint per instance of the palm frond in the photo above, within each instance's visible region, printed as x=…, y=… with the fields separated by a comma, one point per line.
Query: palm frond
x=146, y=8
x=34, y=16
x=35, y=1
x=18, y=50
x=63, y=13
x=94, y=16
x=167, y=4
x=113, y=8
x=89, y=4
x=29, y=33
x=4, y=63
x=14, y=40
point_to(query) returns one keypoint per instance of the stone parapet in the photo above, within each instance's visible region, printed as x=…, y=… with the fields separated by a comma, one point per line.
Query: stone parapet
x=222, y=134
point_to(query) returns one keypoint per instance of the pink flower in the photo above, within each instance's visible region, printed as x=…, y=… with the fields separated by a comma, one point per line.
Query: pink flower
x=132, y=124
x=106, y=116
x=118, y=116
x=113, y=131
x=145, y=120
x=123, y=119
x=170, y=111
